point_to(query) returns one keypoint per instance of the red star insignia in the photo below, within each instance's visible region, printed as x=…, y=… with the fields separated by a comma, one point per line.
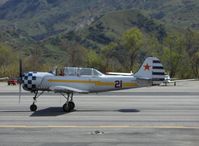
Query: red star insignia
x=147, y=67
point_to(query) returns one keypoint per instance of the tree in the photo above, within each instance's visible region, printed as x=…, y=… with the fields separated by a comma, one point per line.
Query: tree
x=75, y=54
x=8, y=61
x=195, y=63
x=173, y=52
x=34, y=60
x=107, y=54
x=132, y=41
x=192, y=48
x=93, y=60
x=152, y=46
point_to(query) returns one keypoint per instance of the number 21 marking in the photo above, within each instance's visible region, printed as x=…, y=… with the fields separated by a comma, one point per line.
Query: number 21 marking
x=118, y=84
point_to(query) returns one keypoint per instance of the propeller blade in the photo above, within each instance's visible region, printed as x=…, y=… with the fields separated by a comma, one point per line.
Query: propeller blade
x=20, y=78
x=19, y=93
x=20, y=69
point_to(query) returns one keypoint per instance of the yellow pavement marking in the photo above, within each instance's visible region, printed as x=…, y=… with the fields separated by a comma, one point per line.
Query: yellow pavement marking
x=100, y=126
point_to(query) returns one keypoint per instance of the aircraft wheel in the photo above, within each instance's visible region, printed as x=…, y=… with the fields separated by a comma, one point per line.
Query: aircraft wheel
x=71, y=105
x=33, y=107
x=66, y=108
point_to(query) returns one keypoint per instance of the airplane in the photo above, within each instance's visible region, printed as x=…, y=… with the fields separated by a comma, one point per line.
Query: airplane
x=87, y=80
x=169, y=80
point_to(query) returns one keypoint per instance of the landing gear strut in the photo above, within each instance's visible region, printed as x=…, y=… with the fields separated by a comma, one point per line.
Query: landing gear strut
x=69, y=105
x=33, y=107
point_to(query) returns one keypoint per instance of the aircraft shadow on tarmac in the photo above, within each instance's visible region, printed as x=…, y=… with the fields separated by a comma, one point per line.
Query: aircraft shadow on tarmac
x=51, y=111
x=57, y=111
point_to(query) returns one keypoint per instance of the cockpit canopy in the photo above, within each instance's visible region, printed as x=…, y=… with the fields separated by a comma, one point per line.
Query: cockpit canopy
x=76, y=71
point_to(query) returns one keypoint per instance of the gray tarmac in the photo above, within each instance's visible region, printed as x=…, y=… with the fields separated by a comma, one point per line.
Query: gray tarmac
x=162, y=116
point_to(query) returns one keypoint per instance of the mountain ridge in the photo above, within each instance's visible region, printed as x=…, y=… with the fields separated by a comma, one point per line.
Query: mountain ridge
x=93, y=33
x=43, y=18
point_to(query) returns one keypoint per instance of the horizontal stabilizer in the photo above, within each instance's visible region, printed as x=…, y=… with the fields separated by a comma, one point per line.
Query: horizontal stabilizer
x=119, y=73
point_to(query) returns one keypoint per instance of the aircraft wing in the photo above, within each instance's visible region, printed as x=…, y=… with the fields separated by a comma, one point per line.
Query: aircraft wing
x=66, y=89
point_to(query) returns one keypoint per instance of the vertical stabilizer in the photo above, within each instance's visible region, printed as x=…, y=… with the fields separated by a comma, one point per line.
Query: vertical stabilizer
x=151, y=69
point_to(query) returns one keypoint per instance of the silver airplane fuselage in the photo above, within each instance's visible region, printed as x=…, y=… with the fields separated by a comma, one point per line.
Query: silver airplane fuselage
x=85, y=83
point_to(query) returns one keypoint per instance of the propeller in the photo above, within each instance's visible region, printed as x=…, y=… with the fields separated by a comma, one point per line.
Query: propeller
x=20, y=78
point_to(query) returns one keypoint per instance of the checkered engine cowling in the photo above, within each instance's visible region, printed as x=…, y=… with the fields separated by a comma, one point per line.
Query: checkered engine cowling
x=29, y=81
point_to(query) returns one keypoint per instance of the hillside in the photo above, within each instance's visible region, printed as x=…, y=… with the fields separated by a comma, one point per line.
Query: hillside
x=109, y=27
x=95, y=33
x=43, y=18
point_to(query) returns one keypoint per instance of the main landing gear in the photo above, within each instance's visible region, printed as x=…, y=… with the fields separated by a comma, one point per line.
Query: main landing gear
x=69, y=105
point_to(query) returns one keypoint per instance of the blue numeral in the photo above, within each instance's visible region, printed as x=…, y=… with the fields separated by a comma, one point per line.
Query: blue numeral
x=118, y=84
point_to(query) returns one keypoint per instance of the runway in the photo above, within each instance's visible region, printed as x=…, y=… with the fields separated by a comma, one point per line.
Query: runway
x=164, y=115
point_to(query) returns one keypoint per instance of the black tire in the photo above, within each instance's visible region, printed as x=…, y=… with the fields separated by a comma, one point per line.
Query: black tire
x=66, y=108
x=71, y=105
x=33, y=107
